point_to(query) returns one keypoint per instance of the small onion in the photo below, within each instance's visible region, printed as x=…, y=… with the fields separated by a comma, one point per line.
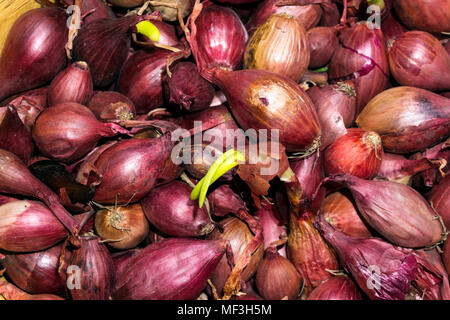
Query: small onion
x=123, y=227
x=358, y=152
x=279, y=45
x=277, y=277
x=323, y=42
x=111, y=105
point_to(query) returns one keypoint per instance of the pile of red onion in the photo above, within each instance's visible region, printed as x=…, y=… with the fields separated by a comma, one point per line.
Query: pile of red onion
x=338, y=187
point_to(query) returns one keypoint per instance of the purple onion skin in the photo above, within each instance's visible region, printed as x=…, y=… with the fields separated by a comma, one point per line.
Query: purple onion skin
x=96, y=270
x=101, y=10
x=27, y=226
x=336, y=109
x=37, y=272
x=323, y=42
x=395, y=166
x=121, y=258
x=130, y=169
x=68, y=131
x=174, y=269
x=384, y=205
x=167, y=34
x=111, y=105
x=34, y=51
x=141, y=79
x=104, y=44
x=392, y=28
x=310, y=173
x=440, y=198
x=272, y=229
x=14, y=136
x=170, y=209
x=336, y=288
x=397, y=266
x=309, y=15
x=331, y=15
x=74, y=84
x=220, y=39
x=223, y=200
x=361, y=56
x=188, y=89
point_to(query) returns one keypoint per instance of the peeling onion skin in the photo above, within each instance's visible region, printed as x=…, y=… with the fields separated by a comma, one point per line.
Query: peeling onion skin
x=418, y=59
x=408, y=119
x=440, y=198
x=361, y=57
x=279, y=45
x=427, y=15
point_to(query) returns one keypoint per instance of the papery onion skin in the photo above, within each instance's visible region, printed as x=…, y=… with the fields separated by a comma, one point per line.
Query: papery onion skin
x=34, y=51
x=167, y=33
x=139, y=162
x=395, y=167
x=418, y=59
x=446, y=256
x=358, y=152
x=170, y=209
x=361, y=56
x=396, y=211
x=27, y=226
x=104, y=44
x=276, y=277
x=223, y=200
x=111, y=105
x=170, y=14
x=220, y=40
x=309, y=252
x=74, y=84
x=309, y=15
x=257, y=103
x=141, y=79
x=323, y=42
x=427, y=15
x=279, y=45
x=272, y=229
x=188, y=89
x=408, y=119
x=14, y=135
x=339, y=210
x=239, y=235
x=123, y=227
x=93, y=9
x=396, y=266
x=392, y=28
x=336, y=288
x=68, y=131
x=173, y=269
x=440, y=199
x=336, y=109
x=37, y=272
x=97, y=270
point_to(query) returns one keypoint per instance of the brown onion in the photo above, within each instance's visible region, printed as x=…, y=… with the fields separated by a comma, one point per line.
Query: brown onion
x=407, y=119
x=264, y=100
x=68, y=131
x=358, y=152
x=239, y=236
x=111, y=105
x=309, y=252
x=418, y=59
x=323, y=42
x=361, y=56
x=279, y=45
x=336, y=108
x=122, y=227
x=74, y=84
x=398, y=212
x=277, y=277
x=14, y=135
x=27, y=226
x=171, y=14
x=427, y=15
x=309, y=15
x=336, y=288
x=339, y=210
x=96, y=276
